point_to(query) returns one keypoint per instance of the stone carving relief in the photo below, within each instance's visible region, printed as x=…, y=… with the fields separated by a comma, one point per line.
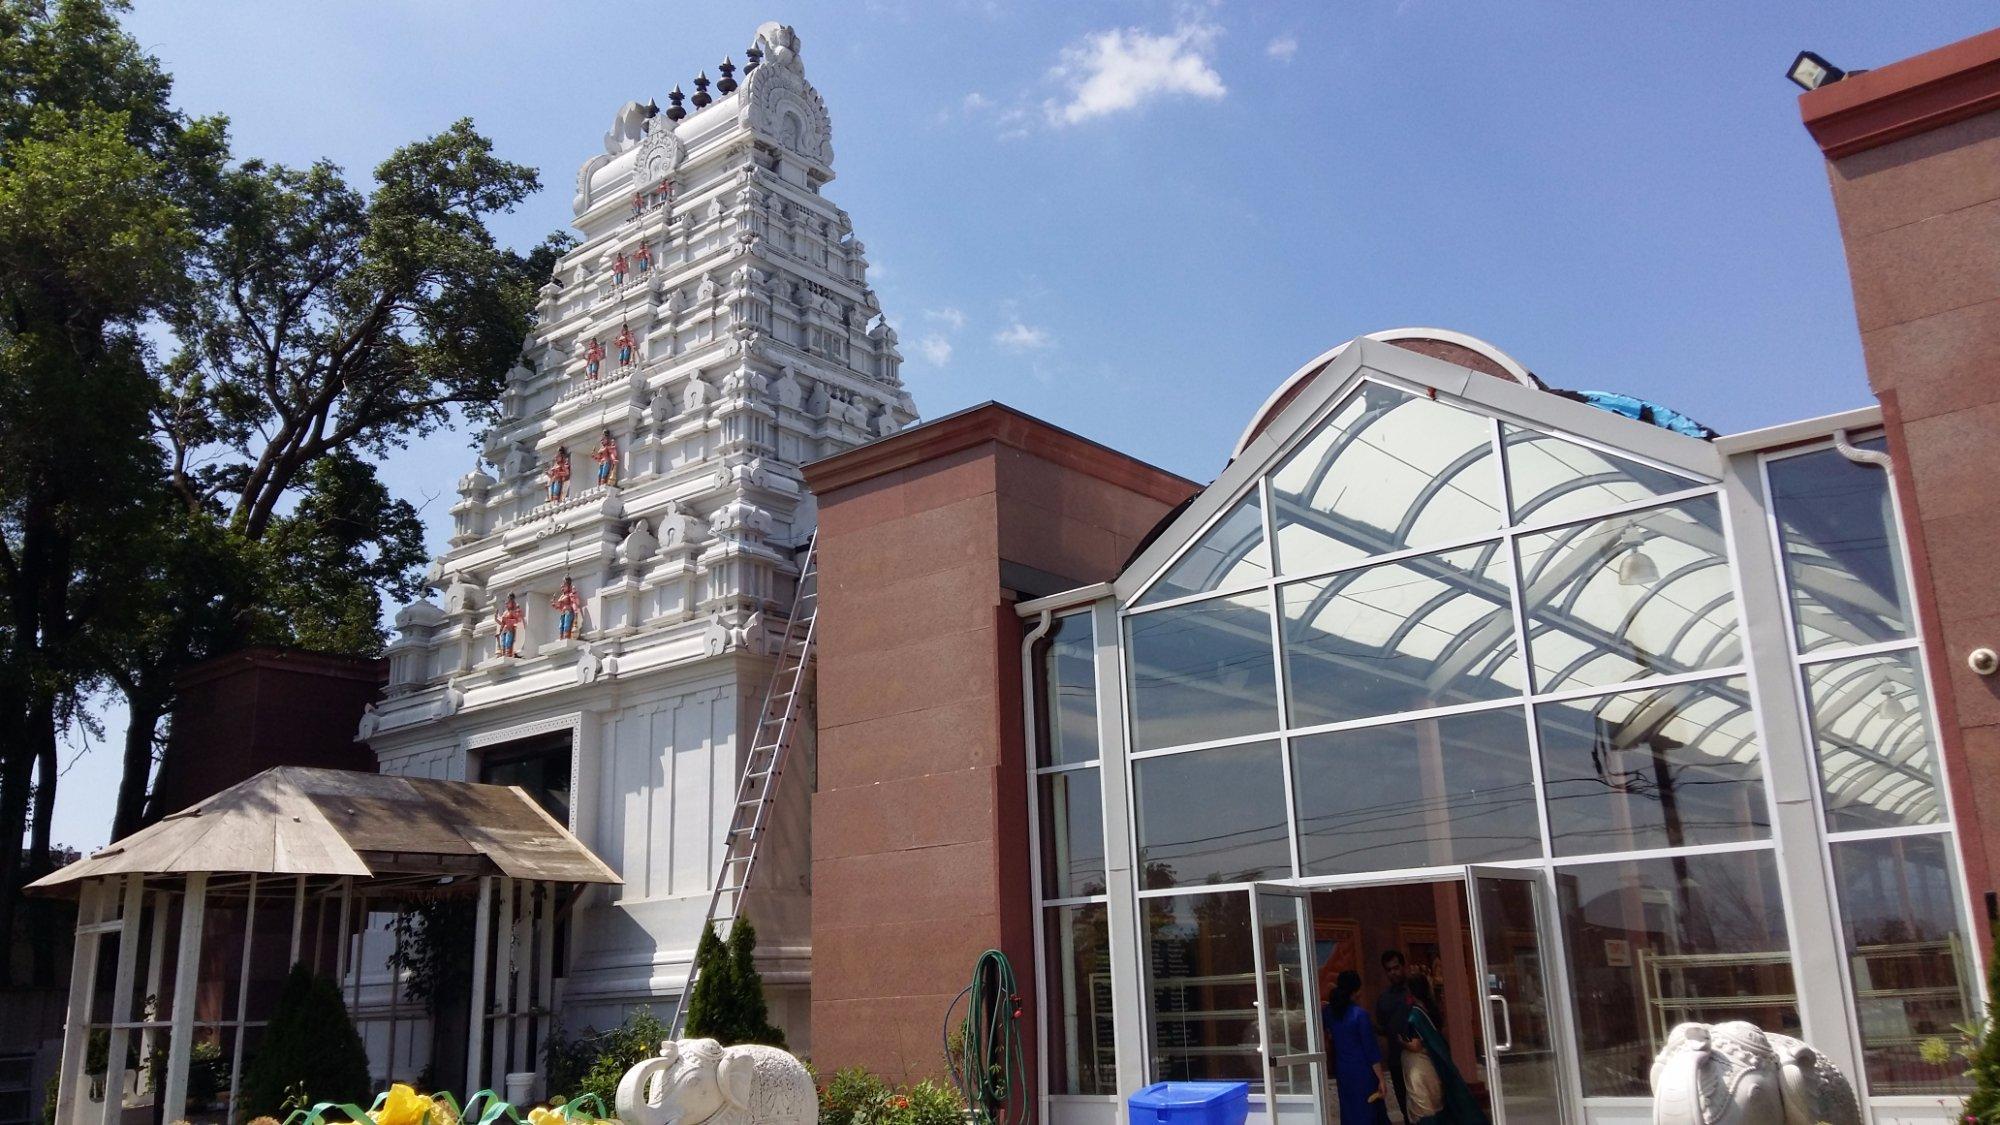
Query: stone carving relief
x=781, y=104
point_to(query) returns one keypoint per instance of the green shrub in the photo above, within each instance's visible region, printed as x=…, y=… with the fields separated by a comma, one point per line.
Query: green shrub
x=208, y=1071
x=855, y=1097
x=310, y=1042
x=594, y=1063
x=1983, y=1052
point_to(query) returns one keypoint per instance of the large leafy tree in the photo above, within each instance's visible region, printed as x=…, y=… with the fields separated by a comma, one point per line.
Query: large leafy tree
x=102, y=190
x=325, y=328
x=199, y=362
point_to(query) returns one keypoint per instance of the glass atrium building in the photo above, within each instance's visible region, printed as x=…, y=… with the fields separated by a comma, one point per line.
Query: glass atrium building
x=1599, y=727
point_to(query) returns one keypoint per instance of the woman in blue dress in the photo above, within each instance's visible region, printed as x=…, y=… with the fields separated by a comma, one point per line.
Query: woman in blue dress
x=1355, y=1055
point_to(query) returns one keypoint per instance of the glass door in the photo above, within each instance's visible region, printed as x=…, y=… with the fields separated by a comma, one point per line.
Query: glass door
x=1294, y=1061
x=1508, y=945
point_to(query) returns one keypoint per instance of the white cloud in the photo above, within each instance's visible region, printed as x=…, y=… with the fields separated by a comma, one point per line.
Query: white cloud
x=936, y=349
x=1282, y=48
x=975, y=101
x=1113, y=71
x=1019, y=337
x=950, y=315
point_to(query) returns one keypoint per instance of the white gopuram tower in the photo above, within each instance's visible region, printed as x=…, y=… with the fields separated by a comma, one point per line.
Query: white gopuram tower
x=716, y=326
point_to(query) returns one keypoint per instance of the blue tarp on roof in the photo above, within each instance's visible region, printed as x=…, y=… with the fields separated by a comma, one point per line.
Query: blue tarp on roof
x=1664, y=417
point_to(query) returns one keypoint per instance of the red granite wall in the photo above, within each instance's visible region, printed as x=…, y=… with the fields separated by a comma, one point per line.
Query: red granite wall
x=241, y=714
x=1914, y=158
x=920, y=816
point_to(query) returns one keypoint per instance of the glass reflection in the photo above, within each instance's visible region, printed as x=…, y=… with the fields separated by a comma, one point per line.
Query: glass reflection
x=1836, y=524
x=1072, y=811
x=1082, y=1043
x=1230, y=555
x=1871, y=727
x=1404, y=636
x=1641, y=594
x=1551, y=478
x=1457, y=789
x=1658, y=942
x=1203, y=978
x=1912, y=972
x=1212, y=816
x=1387, y=471
x=1202, y=671
x=1653, y=769
x=1067, y=694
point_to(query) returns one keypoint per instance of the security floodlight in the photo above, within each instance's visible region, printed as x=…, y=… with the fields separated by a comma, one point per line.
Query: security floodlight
x=1811, y=72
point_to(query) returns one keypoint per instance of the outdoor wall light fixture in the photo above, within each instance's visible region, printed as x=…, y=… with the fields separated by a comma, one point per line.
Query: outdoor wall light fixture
x=1811, y=72
x=1892, y=707
x=1635, y=566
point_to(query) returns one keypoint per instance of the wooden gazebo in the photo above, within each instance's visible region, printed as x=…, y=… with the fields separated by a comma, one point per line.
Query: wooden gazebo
x=311, y=854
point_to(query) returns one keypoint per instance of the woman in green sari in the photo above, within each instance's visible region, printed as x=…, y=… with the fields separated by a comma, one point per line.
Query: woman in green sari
x=1437, y=1094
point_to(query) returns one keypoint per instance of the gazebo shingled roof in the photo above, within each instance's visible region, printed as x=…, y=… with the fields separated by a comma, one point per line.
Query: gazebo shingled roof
x=293, y=820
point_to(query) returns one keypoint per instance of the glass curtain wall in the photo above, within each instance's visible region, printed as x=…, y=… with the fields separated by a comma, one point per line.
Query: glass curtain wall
x=1076, y=960
x=1860, y=680
x=1427, y=638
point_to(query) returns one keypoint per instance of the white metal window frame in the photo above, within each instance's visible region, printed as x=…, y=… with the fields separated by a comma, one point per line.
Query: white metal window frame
x=1915, y=644
x=1036, y=650
x=1548, y=866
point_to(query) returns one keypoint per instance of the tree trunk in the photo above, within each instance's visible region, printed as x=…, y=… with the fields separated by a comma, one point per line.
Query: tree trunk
x=14, y=773
x=145, y=707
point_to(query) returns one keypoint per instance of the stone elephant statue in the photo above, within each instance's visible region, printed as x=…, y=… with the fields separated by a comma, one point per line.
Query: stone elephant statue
x=1737, y=1074
x=701, y=1082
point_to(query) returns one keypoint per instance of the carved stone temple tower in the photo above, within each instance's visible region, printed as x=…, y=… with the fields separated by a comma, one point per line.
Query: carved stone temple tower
x=714, y=331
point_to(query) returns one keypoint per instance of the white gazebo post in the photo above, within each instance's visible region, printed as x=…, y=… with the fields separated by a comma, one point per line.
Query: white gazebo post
x=545, y=977
x=156, y=957
x=187, y=966
x=298, y=920
x=482, y=929
x=121, y=996
x=82, y=982
x=503, y=983
x=242, y=992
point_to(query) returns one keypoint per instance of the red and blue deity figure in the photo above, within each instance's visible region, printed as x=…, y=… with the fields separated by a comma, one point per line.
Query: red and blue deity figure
x=593, y=356
x=638, y=204
x=567, y=604
x=559, y=474
x=628, y=347
x=645, y=257
x=618, y=268
x=606, y=457
x=509, y=621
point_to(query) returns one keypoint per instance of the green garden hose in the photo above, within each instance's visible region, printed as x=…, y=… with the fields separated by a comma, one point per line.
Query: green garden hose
x=992, y=1069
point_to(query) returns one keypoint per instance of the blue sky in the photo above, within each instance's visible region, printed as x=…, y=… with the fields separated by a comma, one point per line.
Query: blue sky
x=1136, y=219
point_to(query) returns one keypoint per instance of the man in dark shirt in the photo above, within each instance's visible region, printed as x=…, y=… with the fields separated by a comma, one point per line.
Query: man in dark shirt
x=1392, y=1006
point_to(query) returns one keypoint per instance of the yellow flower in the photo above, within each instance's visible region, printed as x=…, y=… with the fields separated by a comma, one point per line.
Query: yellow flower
x=403, y=1106
x=542, y=1115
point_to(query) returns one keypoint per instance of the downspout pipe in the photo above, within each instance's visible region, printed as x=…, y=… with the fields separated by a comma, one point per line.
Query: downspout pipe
x=1045, y=620
x=1857, y=454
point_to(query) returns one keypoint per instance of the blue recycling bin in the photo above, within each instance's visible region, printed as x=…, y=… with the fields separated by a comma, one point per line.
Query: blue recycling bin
x=1190, y=1103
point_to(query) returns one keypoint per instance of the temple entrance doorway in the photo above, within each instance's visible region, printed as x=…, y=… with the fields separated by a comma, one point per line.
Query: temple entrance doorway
x=1470, y=948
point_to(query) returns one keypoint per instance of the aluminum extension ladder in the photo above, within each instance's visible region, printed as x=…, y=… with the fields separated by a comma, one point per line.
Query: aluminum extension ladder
x=756, y=790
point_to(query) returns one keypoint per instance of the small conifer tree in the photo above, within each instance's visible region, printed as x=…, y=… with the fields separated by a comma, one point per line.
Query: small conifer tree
x=310, y=1046
x=727, y=1003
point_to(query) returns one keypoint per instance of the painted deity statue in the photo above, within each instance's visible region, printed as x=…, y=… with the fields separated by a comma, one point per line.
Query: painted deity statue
x=644, y=255
x=559, y=474
x=606, y=457
x=638, y=204
x=593, y=356
x=627, y=346
x=567, y=604
x=509, y=620
x=619, y=265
